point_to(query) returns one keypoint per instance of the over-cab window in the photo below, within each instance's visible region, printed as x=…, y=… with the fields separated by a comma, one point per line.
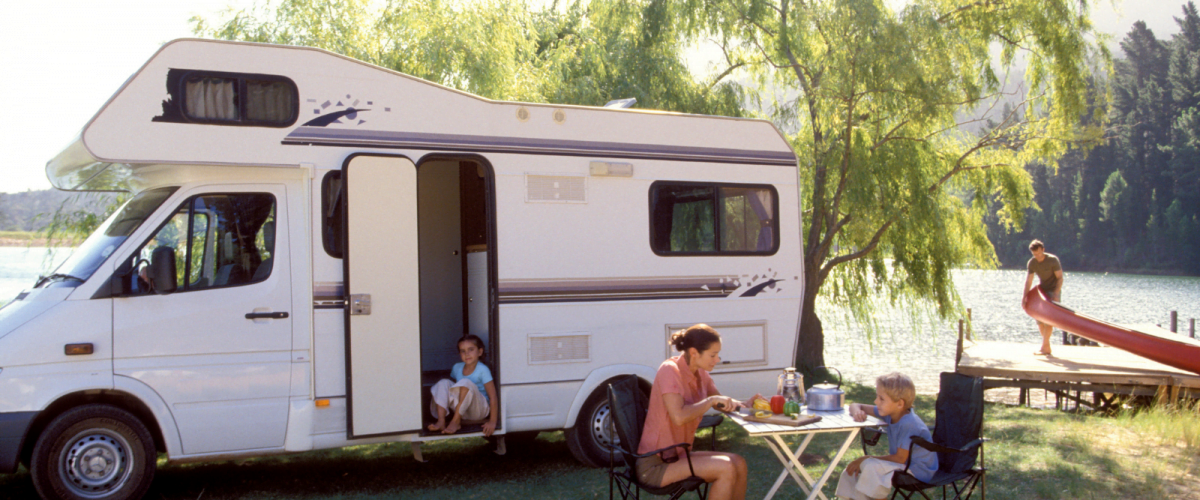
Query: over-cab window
x=688, y=218
x=218, y=240
x=223, y=98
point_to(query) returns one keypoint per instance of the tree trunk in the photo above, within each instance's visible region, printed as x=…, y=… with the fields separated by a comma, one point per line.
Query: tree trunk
x=810, y=345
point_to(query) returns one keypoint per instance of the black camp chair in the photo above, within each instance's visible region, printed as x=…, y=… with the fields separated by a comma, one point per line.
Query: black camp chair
x=956, y=436
x=629, y=405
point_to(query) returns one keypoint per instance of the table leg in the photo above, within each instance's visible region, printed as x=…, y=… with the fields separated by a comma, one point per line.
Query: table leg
x=833, y=463
x=792, y=465
x=783, y=453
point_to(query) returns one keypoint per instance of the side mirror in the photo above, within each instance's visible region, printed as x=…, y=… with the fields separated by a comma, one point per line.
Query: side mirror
x=162, y=270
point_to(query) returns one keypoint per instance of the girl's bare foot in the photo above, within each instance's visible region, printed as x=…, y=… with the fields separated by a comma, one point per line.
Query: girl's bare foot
x=451, y=428
x=441, y=424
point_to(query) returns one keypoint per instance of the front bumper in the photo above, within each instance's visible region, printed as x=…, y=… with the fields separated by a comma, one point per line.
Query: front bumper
x=13, y=427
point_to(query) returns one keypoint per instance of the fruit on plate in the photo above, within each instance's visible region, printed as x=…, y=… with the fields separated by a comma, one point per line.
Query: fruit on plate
x=762, y=404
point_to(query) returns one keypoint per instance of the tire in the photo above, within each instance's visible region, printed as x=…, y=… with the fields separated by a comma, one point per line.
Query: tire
x=94, y=452
x=593, y=434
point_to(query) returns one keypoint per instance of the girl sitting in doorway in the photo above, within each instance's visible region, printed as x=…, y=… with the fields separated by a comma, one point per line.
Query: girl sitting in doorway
x=471, y=395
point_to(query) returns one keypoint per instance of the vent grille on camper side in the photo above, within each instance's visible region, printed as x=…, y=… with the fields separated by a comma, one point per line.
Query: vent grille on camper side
x=559, y=348
x=555, y=188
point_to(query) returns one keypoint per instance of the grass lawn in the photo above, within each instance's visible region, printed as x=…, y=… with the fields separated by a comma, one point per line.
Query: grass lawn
x=1034, y=454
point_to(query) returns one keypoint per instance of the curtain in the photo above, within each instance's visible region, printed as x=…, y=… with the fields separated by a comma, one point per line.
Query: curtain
x=212, y=99
x=269, y=101
x=760, y=201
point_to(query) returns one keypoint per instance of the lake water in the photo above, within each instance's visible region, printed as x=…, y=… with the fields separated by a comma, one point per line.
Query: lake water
x=21, y=266
x=921, y=351
x=995, y=301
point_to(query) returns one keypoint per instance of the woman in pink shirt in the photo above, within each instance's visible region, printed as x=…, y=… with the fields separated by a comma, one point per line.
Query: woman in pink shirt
x=682, y=392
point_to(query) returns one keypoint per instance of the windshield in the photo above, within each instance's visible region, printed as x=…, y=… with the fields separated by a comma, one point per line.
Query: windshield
x=104, y=241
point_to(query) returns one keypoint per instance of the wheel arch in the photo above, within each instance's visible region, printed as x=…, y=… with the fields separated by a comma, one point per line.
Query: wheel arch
x=600, y=376
x=161, y=430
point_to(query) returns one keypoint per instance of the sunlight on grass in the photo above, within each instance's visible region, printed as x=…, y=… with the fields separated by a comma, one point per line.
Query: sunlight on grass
x=1174, y=425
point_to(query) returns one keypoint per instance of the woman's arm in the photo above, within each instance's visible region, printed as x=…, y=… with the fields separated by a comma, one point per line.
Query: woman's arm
x=490, y=426
x=681, y=413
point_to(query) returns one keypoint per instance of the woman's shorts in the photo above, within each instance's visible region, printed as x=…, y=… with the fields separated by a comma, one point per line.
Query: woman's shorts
x=650, y=470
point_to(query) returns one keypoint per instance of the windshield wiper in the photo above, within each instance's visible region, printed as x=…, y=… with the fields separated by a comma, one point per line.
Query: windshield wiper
x=56, y=276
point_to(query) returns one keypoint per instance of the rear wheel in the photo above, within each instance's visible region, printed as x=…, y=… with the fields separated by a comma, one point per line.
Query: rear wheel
x=593, y=434
x=94, y=452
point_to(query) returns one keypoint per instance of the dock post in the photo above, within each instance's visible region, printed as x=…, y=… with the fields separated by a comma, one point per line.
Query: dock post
x=1192, y=327
x=970, y=335
x=959, y=347
x=1174, y=322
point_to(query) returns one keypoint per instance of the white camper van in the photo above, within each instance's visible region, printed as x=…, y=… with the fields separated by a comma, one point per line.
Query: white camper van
x=309, y=236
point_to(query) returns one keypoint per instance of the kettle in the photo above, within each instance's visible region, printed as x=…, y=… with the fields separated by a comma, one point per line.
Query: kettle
x=827, y=397
x=791, y=385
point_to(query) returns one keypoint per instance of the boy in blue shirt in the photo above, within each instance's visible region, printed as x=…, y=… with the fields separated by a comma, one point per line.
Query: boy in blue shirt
x=871, y=477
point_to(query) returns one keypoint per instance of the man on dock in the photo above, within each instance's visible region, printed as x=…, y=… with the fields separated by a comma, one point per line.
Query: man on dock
x=1050, y=280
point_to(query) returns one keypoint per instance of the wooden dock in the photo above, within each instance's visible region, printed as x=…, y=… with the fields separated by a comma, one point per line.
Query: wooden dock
x=1106, y=372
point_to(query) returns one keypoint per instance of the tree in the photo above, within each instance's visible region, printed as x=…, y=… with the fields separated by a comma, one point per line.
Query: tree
x=894, y=188
x=582, y=53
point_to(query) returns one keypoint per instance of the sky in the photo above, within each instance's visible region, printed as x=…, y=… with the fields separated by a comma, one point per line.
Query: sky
x=65, y=58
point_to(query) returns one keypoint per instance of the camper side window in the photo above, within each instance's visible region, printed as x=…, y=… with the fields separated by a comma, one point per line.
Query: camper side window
x=331, y=213
x=689, y=218
x=218, y=240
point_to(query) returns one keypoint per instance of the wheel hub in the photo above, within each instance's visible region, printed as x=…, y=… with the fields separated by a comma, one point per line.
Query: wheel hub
x=95, y=463
x=603, y=429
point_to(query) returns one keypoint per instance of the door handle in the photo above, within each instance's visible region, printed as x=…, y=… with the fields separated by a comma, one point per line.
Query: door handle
x=267, y=315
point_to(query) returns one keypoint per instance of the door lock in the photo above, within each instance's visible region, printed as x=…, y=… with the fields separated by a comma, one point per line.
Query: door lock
x=360, y=304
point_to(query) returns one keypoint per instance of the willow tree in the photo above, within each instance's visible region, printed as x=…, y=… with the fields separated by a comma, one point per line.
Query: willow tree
x=580, y=52
x=880, y=104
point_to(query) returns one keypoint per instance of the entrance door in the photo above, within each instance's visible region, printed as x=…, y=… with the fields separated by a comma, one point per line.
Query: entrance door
x=383, y=322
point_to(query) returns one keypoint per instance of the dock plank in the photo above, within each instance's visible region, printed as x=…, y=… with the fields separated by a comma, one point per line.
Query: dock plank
x=1096, y=365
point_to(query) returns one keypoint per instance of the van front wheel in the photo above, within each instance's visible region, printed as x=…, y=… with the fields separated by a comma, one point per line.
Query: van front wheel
x=94, y=452
x=593, y=434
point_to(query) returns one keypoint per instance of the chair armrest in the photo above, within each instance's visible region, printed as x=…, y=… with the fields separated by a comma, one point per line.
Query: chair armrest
x=922, y=442
x=686, y=447
x=870, y=436
x=687, y=453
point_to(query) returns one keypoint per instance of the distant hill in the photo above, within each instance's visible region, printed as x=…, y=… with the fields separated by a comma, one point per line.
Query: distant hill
x=33, y=210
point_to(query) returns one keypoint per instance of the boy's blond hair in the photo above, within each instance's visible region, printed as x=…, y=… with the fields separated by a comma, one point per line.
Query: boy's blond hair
x=898, y=387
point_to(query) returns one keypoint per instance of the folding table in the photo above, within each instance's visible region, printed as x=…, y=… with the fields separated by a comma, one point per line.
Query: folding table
x=831, y=421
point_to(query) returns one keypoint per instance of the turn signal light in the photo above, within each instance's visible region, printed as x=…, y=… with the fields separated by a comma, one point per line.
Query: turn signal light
x=322, y=403
x=78, y=349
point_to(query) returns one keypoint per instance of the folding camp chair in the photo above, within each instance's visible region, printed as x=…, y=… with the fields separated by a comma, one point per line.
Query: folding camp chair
x=628, y=406
x=956, y=436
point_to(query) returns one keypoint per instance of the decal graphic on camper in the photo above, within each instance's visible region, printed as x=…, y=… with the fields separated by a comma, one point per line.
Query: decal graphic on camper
x=341, y=110
x=604, y=289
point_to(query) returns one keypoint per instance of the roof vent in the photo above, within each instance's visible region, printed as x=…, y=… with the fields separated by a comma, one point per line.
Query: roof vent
x=621, y=103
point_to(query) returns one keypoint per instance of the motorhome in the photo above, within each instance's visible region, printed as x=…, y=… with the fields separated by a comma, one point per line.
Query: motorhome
x=308, y=236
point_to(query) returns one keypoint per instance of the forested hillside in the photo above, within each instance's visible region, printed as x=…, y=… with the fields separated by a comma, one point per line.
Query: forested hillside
x=33, y=210
x=1133, y=203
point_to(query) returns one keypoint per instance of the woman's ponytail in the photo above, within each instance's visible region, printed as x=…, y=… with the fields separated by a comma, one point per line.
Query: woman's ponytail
x=700, y=336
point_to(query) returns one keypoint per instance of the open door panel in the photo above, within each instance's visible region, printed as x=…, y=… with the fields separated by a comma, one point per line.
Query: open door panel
x=383, y=325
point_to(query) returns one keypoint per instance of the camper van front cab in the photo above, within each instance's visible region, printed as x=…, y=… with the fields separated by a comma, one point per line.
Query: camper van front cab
x=308, y=237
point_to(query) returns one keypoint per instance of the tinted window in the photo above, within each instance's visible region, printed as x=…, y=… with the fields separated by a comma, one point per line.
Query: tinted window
x=700, y=219
x=219, y=240
x=331, y=213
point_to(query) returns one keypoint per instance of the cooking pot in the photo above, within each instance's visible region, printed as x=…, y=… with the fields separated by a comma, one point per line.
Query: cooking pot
x=826, y=397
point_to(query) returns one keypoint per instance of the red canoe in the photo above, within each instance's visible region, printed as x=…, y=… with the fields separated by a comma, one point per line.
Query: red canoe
x=1171, y=349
